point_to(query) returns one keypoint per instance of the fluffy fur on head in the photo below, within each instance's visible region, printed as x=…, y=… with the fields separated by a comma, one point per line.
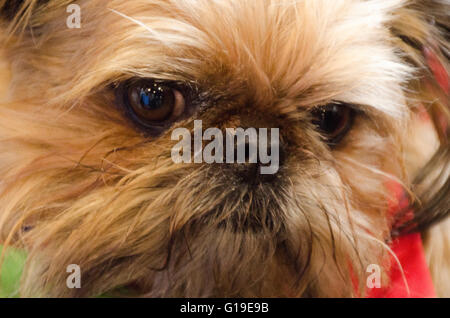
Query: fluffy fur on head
x=80, y=184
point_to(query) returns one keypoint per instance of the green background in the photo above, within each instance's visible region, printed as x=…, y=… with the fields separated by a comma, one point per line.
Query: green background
x=11, y=271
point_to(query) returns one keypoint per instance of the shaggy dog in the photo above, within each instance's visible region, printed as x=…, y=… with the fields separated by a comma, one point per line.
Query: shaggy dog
x=86, y=115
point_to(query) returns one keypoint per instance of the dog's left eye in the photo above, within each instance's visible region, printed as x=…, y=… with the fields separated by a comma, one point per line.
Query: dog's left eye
x=152, y=104
x=333, y=121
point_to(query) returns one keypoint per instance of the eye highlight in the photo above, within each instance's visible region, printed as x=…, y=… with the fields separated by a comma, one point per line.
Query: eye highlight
x=333, y=120
x=152, y=105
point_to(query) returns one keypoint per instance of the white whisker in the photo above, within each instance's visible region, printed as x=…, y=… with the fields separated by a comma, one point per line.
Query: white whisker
x=134, y=21
x=390, y=251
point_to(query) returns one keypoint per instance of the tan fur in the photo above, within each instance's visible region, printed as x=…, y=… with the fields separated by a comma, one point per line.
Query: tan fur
x=437, y=245
x=96, y=192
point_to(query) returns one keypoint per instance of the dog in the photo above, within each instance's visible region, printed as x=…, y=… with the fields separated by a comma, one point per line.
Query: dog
x=358, y=90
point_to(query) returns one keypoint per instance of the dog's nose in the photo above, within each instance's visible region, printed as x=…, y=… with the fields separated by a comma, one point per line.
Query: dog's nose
x=257, y=159
x=255, y=172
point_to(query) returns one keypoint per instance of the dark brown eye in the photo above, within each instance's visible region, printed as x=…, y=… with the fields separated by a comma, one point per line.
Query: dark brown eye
x=152, y=103
x=333, y=121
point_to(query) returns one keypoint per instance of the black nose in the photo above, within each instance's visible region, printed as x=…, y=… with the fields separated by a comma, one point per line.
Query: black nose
x=255, y=161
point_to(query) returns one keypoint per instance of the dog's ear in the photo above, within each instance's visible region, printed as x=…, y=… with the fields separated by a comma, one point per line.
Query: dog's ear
x=422, y=33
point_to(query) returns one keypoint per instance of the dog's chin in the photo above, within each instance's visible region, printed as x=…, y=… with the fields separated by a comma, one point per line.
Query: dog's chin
x=236, y=244
x=239, y=255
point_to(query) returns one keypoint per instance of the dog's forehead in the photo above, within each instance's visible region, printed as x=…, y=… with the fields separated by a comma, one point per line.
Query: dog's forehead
x=338, y=48
x=265, y=34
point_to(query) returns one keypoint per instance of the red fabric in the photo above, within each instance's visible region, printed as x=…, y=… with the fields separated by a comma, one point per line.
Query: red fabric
x=437, y=69
x=410, y=253
x=442, y=78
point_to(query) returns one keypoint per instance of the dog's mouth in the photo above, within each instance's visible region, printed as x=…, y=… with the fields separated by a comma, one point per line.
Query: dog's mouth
x=251, y=208
x=226, y=197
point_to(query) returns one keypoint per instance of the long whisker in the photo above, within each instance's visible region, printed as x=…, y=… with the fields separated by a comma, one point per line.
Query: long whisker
x=390, y=251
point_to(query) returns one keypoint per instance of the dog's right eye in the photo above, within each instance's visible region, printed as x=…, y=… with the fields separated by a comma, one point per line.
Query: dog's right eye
x=150, y=104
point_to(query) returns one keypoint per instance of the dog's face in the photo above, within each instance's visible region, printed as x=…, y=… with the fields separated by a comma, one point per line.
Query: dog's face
x=87, y=173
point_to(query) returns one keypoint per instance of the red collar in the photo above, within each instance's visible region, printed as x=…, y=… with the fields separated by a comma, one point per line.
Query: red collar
x=415, y=281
